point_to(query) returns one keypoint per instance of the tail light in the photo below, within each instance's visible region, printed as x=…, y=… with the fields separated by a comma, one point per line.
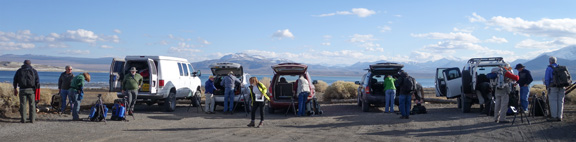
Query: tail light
x=367, y=90
x=270, y=92
x=161, y=83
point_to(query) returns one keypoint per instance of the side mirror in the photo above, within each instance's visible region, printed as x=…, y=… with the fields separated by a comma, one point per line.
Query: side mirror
x=315, y=82
x=357, y=83
x=197, y=73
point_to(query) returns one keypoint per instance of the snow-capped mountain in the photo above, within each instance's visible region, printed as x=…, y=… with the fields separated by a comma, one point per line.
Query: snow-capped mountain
x=568, y=53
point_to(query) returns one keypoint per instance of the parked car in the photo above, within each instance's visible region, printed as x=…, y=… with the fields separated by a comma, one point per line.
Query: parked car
x=452, y=83
x=371, y=87
x=284, y=84
x=219, y=70
x=166, y=79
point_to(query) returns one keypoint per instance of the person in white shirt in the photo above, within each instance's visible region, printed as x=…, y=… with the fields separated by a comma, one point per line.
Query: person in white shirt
x=258, y=96
x=303, y=92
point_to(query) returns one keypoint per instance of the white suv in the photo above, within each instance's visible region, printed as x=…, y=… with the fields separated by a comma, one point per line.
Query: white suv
x=219, y=70
x=165, y=79
x=452, y=83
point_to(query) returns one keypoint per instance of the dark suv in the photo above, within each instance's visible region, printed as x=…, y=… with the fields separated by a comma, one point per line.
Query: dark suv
x=371, y=89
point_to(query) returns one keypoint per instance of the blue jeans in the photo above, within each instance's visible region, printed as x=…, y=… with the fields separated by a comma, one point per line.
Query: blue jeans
x=63, y=95
x=524, y=91
x=390, y=96
x=405, y=103
x=74, y=98
x=228, y=99
x=302, y=98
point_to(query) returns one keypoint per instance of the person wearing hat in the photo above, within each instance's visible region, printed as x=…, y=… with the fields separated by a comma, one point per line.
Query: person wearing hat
x=229, y=82
x=524, y=83
x=76, y=91
x=209, y=87
x=130, y=85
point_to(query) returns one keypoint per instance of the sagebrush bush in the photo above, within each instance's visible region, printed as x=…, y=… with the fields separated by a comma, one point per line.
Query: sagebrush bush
x=340, y=90
x=265, y=81
x=10, y=103
x=321, y=86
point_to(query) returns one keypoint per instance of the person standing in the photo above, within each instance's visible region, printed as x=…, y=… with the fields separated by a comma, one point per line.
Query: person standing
x=524, y=83
x=406, y=85
x=209, y=87
x=229, y=83
x=130, y=85
x=258, y=92
x=77, y=93
x=28, y=80
x=501, y=92
x=63, y=86
x=555, y=93
x=390, y=91
x=303, y=92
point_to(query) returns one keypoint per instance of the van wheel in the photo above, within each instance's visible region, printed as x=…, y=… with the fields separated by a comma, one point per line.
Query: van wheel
x=170, y=102
x=196, y=99
x=365, y=106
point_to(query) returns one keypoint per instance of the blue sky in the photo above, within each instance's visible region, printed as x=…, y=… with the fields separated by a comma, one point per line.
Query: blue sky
x=328, y=32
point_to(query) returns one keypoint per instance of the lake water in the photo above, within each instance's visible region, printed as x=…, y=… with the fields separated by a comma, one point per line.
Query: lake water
x=100, y=80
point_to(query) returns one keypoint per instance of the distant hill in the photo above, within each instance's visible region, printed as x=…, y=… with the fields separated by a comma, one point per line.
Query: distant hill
x=255, y=64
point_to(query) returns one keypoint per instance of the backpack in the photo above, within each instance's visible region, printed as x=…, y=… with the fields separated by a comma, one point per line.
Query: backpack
x=27, y=78
x=560, y=76
x=418, y=109
x=499, y=81
x=97, y=114
x=118, y=112
x=409, y=85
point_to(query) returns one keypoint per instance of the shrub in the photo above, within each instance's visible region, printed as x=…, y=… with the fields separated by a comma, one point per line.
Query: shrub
x=265, y=81
x=321, y=86
x=340, y=90
x=8, y=102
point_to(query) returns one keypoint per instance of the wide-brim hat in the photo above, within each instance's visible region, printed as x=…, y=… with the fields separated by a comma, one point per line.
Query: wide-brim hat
x=519, y=66
x=211, y=77
x=133, y=69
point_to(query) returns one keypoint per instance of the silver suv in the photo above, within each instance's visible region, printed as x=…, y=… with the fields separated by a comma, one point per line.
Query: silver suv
x=452, y=83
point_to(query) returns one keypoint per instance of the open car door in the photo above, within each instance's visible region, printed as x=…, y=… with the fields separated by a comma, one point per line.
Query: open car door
x=153, y=71
x=453, y=79
x=116, y=74
x=290, y=68
x=440, y=83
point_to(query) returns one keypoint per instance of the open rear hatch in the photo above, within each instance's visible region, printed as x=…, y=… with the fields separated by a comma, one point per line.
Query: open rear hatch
x=290, y=68
x=386, y=68
x=222, y=69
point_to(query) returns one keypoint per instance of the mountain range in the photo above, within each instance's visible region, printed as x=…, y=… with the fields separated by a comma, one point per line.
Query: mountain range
x=255, y=64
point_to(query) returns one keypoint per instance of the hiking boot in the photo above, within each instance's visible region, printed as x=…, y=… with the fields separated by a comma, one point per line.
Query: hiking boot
x=251, y=124
x=261, y=123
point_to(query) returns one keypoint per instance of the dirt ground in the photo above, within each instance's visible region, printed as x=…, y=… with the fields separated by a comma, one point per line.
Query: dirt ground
x=340, y=122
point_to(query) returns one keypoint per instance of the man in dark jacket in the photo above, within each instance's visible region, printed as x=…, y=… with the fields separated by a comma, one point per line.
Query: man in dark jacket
x=229, y=82
x=405, y=94
x=63, y=86
x=27, y=79
x=524, y=82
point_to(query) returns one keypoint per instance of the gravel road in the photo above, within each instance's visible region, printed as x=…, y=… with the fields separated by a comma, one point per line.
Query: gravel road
x=340, y=122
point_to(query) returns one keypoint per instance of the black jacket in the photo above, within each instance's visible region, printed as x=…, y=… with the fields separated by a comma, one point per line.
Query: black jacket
x=65, y=80
x=20, y=74
x=525, y=77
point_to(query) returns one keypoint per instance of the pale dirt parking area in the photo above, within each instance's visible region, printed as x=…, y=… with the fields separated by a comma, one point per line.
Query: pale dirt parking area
x=340, y=122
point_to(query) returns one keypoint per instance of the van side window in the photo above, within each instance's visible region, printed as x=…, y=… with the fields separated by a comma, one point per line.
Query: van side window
x=191, y=69
x=180, y=68
x=185, y=69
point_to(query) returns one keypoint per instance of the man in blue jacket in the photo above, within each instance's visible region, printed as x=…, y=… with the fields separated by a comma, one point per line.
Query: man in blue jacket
x=229, y=82
x=209, y=87
x=555, y=93
x=524, y=82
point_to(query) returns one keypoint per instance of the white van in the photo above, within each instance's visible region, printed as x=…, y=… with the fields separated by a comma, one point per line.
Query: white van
x=165, y=79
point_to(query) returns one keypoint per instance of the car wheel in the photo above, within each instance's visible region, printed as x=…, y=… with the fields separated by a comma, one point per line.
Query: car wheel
x=466, y=104
x=196, y=99
x=365, y=106
x=170, y=102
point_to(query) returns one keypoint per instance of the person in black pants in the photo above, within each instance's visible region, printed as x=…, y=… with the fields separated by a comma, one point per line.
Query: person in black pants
x=257, y=94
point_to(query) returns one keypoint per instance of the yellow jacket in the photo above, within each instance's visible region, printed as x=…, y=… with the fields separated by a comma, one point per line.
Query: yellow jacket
x=262, y=89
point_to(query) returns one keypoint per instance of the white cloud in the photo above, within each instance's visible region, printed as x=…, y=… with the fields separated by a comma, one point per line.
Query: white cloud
x=283, y=34
x=476, y=18
x=15, y=46
x=117, y=31
x=466, y=37
x=81, y=52
x=326, y=43
x=183, y=50
x=555, y=28
x=553, y=44
x=465, y=30
x=106, y=46
x=361, y=38
x=203, y=41
x=360, y=12
x=26, y=39
x=495, y=39
x=384, y=28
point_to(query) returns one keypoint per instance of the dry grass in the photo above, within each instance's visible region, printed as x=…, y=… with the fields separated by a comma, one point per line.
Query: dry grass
x=321, y=86
x=340, y=90
x=10, y=103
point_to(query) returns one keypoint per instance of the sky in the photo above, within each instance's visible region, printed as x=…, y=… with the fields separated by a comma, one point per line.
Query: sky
x=330, y=32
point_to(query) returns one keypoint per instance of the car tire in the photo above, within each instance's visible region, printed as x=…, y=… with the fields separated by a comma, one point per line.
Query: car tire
x=466, y=104
x=467, y=81
x=365, y=106
x=196, y=99
x=170, y=102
